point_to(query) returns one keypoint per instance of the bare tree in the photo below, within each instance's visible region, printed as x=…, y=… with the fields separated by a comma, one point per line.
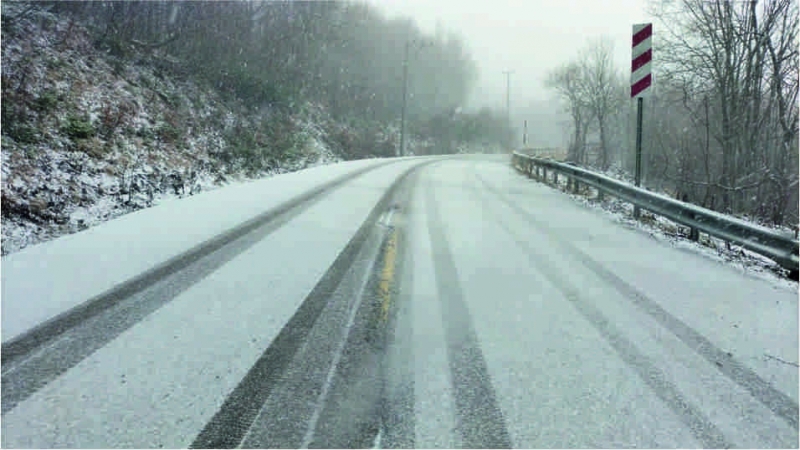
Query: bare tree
x=782, y=57
x=736, y=62
x=568, y=84
x=601, y=90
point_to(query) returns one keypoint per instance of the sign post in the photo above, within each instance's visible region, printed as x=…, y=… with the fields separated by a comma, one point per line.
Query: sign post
x=641, y=79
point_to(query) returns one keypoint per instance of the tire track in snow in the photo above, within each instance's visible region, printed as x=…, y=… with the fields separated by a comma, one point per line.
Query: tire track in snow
x=38, y=356
x=234, y=420
x=480, y=420
x=776, y=401
x=701, y=427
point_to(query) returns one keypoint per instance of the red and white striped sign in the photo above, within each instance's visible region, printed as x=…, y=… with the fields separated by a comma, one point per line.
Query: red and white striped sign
x=642, y=62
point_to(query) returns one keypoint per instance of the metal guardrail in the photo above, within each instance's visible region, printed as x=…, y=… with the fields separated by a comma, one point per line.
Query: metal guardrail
x=782, y=249
x=555, y=153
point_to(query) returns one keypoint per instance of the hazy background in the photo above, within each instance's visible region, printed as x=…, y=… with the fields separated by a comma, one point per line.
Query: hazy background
x=528, y=37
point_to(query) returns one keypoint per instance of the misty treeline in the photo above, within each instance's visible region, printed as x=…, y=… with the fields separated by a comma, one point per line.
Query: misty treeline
x=343, y=57
x=721, y=120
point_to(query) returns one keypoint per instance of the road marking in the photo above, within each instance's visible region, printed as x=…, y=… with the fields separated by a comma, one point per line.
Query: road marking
x=387, y=217
x=233, y=420
x=387, y=275
x=377, y=442
x=308, y=439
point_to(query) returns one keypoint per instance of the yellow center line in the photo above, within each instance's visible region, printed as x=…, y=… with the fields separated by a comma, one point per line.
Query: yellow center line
x=387, y=275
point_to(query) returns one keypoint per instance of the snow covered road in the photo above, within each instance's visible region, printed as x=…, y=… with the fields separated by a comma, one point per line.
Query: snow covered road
x=420, y=303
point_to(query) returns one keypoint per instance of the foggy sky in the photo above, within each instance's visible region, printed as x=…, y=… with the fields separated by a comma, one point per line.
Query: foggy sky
x=528, y=37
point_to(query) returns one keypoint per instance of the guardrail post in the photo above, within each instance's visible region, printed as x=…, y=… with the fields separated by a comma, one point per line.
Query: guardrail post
x=555, y=178
x=694, y=233
x=600, y=195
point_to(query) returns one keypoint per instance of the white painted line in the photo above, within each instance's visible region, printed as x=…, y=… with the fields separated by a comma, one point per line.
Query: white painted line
x=389, y=216
x=377, y=442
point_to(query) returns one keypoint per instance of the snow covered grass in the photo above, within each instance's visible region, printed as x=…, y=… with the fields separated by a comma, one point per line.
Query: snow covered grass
x=70, y=192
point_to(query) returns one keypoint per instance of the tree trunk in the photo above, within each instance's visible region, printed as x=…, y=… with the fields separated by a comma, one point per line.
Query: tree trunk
x=603, y=147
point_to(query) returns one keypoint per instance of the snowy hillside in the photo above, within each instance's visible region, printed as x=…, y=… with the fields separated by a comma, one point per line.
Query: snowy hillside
x=87, y=136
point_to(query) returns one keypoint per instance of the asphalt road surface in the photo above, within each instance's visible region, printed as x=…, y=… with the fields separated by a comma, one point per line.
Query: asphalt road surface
x=421, y=303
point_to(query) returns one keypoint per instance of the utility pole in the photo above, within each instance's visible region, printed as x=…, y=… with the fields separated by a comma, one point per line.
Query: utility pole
x=508, y=73
x=420, y=45
x=401, y=150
